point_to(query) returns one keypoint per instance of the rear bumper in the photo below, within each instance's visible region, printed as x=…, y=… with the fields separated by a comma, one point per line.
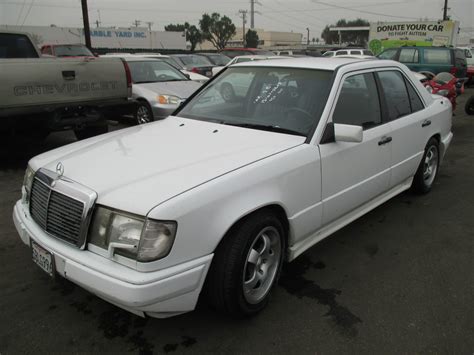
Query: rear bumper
x=160, y=294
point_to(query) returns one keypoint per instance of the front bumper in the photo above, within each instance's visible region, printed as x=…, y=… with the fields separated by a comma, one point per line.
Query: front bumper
x=162, y=111
x=159, y=294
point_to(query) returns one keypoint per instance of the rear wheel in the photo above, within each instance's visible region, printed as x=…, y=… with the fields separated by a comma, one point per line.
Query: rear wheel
x=247, y=265
x=469, y=108
x=428, y=168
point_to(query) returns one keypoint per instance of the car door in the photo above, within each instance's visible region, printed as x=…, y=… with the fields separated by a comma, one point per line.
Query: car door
x=409, y=125
x=437, y=60
x=354, y=173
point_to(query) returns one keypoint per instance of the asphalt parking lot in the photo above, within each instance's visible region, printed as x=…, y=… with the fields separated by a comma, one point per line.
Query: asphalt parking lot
x=398, y=280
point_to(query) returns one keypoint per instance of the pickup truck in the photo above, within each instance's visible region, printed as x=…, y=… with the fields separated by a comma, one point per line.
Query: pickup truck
x=45, y=94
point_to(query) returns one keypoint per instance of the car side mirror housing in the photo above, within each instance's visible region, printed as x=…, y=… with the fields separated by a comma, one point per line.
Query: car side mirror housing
x=348, y=133
x=187, y=76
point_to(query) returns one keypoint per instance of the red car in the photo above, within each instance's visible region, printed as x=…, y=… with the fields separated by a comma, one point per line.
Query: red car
x=66, y=50
x=470, y=75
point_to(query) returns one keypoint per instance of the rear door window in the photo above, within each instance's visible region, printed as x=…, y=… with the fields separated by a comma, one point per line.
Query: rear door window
x=437, y=56
x=341, y=53
x=395, y=92
x=16, y=46
x=409, y=55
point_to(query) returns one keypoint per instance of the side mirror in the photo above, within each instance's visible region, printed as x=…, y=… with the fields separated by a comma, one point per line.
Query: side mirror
x=187, y=76
x=348, y=133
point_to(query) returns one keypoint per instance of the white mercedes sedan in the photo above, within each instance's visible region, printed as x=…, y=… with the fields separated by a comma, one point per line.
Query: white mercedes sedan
x=215, y=198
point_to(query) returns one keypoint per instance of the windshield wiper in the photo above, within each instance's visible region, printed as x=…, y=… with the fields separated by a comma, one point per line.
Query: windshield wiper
x=146, y=82
x=263, y=127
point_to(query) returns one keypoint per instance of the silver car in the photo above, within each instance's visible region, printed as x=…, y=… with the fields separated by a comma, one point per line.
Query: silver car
x=158, y=87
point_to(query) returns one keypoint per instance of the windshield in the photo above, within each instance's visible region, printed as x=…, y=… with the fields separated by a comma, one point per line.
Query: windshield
x=287, y=100
x=218, y=59
x=196, y=60
x=153, y=71
x=72, y=51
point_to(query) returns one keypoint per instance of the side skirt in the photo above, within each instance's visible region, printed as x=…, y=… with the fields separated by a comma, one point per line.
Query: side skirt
x=298, y=248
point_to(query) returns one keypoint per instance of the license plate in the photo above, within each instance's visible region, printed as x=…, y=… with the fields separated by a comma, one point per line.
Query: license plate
x=209, y=73
x=43, y=258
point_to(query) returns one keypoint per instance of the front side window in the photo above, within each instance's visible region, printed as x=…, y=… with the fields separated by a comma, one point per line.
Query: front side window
x=437, y=56
x=287, y=100
x=358, y=103
x=409, y=55
x=396, y=95
x=328, y=54
x=341, y=53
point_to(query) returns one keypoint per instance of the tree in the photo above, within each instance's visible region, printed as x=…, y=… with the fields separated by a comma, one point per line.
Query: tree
x=192, y=33
x=216, y=29
x=350, y=37
x=251, y=39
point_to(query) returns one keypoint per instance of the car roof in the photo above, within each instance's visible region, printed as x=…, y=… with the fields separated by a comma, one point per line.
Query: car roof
x=140, y=59
x=322, y=63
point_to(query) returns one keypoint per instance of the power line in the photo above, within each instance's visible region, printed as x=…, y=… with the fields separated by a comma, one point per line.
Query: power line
x=27, y=13
x=21, y=11
x=243, y=15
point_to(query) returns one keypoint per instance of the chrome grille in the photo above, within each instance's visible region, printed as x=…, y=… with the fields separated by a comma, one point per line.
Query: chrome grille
x=57, y=213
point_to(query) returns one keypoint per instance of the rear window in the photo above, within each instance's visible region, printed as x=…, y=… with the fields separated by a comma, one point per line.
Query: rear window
x=72, y=51
x=437, y=56
x=16, y=46
x=195, y=60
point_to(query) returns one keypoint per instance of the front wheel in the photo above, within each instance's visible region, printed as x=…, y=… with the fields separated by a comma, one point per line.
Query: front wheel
x=428, y=168
x=143, y=113
x=469, y=108
x=247, y=265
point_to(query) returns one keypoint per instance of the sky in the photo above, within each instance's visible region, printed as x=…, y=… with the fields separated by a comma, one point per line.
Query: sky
x=276, y=15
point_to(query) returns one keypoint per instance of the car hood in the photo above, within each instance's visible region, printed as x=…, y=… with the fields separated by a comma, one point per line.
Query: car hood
x=138, y=168
x=182, y=89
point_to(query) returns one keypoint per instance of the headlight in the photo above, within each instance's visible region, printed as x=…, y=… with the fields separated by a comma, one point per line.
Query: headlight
x=429, y=89
x=28, y=179
x=130, y=235
x=168, y=99
x=443, y=92
x=27, y=183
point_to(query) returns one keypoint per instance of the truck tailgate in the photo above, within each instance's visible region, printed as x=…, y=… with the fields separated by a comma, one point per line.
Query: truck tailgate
x=59, y=81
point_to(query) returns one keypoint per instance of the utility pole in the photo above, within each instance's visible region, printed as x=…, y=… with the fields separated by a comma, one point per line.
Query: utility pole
x=445, y=10
x=97, y=23
x=149, y=25
x=85, y=18
x=252, y=12
x=307, y=38
x=243, y=15
x=137, y=23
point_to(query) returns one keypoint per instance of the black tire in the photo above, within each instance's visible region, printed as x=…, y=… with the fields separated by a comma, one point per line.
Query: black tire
x=469, y=108
x=423, y=182
x=227, y=276
x=143, y=113
x=91, y=131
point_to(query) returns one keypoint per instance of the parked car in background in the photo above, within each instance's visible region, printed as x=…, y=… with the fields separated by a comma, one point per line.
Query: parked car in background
x=242, y=59
x=348, y=51
x=194, y=63
x=234, y=52
x=216, y=58
x=221, y=194
x=66, y=50
x=44, y=94
x=158, y=88
x=433, y=60
x=470, y=64
x=193, y=76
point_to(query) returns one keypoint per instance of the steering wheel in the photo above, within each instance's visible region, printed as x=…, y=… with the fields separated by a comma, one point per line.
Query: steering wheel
x=304, y=119
x=163, y=77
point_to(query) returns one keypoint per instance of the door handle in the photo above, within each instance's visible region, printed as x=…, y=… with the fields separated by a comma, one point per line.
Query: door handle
x=69, y=74
x=385, y=140
x=426, y=123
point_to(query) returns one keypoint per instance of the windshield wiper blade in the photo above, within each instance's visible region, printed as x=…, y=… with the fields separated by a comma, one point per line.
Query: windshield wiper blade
x=146, y=82
x=263, y=127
